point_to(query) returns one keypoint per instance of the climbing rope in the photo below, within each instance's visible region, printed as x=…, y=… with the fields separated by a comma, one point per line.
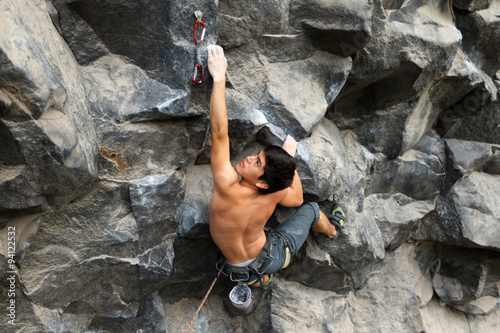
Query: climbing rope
x=204, y=299
x=197, y=42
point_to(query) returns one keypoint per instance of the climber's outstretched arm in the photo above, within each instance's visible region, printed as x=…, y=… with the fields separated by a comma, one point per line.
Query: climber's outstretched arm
x=224, y=174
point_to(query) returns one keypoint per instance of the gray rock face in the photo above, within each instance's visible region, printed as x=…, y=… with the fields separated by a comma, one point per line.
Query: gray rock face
x=48, y=144
x=415, y=174
x=481, y=50
x=196, y=205
x=148, y=101
x=156, y=207
x=340, y=27
x=469, y=201
x=383, y=87
x=395, y=215
x=323, y=147
x=240, y=22
x=386, y=290
x=79, y=250
x=150, y=36
x=313, y=311
x=285, y=107
x=468, y=290
x=472, y=5
x=105, y=162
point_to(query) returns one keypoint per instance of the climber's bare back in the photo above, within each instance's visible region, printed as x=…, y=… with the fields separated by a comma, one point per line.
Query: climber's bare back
x=237, y=220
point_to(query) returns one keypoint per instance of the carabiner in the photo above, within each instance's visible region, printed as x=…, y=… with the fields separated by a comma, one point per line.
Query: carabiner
x=196, y=72
x=202, y=33
x=198, y=15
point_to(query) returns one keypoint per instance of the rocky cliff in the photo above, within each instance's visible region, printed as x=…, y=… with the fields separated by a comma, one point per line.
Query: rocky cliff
x=105, y=180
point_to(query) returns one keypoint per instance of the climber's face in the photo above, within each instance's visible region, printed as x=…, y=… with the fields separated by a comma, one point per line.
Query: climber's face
x=252, y=167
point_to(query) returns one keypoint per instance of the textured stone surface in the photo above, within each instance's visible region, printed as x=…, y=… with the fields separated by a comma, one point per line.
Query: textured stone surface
x=472, y=5
x=294, y=87
x=415, y=174
x=393, y=71
x=395, y=215
x=481, y=48
x=48, y=148
x=390, y=290
x=340, y=27
x=105, y=151
x=323, y=147
x=294, y=307
x=468, y=215
x=196, y=206
x=359, y=248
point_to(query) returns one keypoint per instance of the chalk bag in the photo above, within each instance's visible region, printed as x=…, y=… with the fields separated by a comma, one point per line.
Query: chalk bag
x=241, y=298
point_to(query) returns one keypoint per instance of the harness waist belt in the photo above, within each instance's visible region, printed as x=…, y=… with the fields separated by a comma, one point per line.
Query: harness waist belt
x=256, y=263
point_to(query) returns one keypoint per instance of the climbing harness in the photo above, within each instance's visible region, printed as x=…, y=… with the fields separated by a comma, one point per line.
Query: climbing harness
x=198, y=14
x=251, y=273
x=203, y=302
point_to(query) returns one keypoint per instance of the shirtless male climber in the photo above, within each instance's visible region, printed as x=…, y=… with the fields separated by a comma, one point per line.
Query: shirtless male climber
x=241, y=208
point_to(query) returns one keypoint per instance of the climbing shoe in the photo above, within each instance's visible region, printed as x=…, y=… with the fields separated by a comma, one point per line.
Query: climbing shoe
x=337, y=217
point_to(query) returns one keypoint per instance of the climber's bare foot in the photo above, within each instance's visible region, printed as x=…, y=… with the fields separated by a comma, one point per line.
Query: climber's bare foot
x=324, y=226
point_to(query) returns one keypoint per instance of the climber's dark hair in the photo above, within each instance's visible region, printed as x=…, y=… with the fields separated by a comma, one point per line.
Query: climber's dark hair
x=279, y=169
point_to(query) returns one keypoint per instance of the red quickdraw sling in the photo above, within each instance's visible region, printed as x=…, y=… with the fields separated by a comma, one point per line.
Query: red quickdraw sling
x=197, y=42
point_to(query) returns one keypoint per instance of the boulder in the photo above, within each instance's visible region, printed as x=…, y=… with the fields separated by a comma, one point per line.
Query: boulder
x=359, y=248
x=321, y=162
x=121, y=91
x=293, y=95
x=157, y=37
x=415, y=174
x=340, y=27
x=473, y=200
x=298, y=93
x=397, y=305
x=381, y=100
x=81, y=264
x=311, y=265
x=463, y=278
x=240, y=21
x=480, y=47
x=465, y=157
x=462, y=78
x=247, y=71
x=472, y=5
x=455, y=221
x=396, y=214
x=360, y=163
x=156, y=207
x=48, y=142
x=386, y=71
x=295, y=308
x=195, y=216
x=167, y=145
